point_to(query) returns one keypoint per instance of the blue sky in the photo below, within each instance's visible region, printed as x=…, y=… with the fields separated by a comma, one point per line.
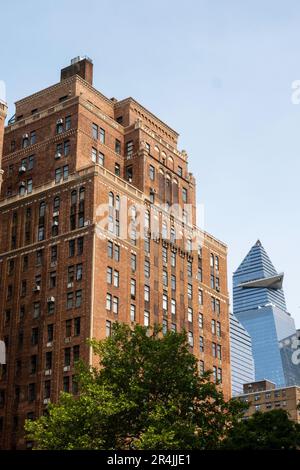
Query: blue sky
x=219, y=72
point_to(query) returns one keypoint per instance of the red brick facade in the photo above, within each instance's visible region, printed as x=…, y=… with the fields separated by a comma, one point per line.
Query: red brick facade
x=61, y=283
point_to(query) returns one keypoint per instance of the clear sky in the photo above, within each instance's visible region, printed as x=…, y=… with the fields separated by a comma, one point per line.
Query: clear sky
x=219, y=72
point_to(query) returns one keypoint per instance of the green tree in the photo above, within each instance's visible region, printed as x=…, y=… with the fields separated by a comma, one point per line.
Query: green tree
x=145, y=394
x=269, y=430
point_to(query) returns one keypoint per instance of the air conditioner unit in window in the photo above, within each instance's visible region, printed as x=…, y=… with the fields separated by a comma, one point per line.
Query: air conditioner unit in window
x=49, y=344
x=23, y=184
x=218, y=289
x=25, y=136
x=129, y=180
x=46, y=401
x=48, y=372
x=87, y=222
x=55, y=223
x=67, y=368
x=36, y=288
x=70, y=284
x=68, y=340
x=59, y=121
x=58, y=155
x=53, y=264
x=50, y=300
x=55, y=213
x=22, y=169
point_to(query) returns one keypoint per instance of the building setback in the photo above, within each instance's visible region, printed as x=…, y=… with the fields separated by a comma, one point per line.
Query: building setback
x=241, y=357
x=68, y=152
x=259, y=305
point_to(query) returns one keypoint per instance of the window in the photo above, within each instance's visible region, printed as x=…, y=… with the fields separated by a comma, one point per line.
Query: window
x=67, y=357
x=95, y=131
x=25, y=141
x=117, y=146
x=68, y=123
x=218, y=329
x=117, y=169
x=59, y=126
x=133, y=262
x=214, y=349
x=132, y=288
x=219, y=376
x=65, y=172
x=190, y=291
x=68, y=331
x=71, y=247
x=179, y=171
x=129, y=149
x=165, y=302
x=33, y=364
x=66, y=383
x=30, y=162
x=219, y=351
x=67, y=147
x=129, y=173
x=184, y=195
x=79, y=272
x=147, y=268
x=146, y=318
x=212, y=260
x=58, y=175
x=165, y=278
x=217, y=263
x=29, y=186
x=101, y=158
x=200, y=321
x=48, y=360
x=102, y=135
x=151, y=197
x=164, y=254
x=147, y=293
x=218, y=306
x=201, y=367
x=215, y=374
x=189, y=268
x=80, y=245
x=147, y=147
x=109, y=272
x=31, y=392
x=165, y=326
x=108, y=329
x=116, y=305
x=173, y=259
x=201, y=344
x=213, y=327
x=78, y=298
x=200, y=296
x=132, y=312
x=173, y=306
x=191, y=338
x=108, y=301
x=77, y=326
x=76, y=353
x=212, y=281
x=116, y=278
x=70, y=296
x=151, y=172
x=190, y=314
x=94, y=155
x=36, y=309
x=34, y=336
x=50, y=331
x=173, y=282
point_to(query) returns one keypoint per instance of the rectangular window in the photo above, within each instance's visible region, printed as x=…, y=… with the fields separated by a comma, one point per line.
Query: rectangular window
x=218, y=329
x=146, y=318
x=190, y=314
x=58, y=175
x=68, y=123
x=101, y=158
x=67, y=147
x=173, y=259
x=132, y=312
x=117, y=169
x=214, y=349
x=70, y=300
x=213, y=327
x=201, y=344
x=65, y=172
x=68, y=330
x=151, y=172
x=117, y=146
x=80, y=246
x=77, y=326
x=147, y=268
x=200, y=321
x=133, y=262
x=76, y=353
x=67, y=357
x=165, y=302
x=190, y=291
x=66, y=384
x=184, y=195
x=200, y=296
x=173, y=306
x=173, y=282
x=102, y=135
x=110, y=249
x=108, y=328
x=116, y=278
x=116, y=305
x=108, y=301
x=109, y=272
x=95, y=131
x=78, y=298
x=147, y=293
x=165, y=278
x=132, y=288
x=191, y=338
x=94, y=155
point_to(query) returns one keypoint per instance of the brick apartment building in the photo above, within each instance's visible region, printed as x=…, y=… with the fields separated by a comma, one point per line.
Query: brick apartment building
x=67, y=151
x=264, y=396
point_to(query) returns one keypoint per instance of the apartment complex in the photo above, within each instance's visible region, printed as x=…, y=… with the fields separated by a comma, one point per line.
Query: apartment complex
x=264, y=396
x=73, y=158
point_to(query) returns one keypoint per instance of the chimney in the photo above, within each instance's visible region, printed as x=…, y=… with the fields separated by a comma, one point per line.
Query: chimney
x=3, y=112
x=82, y=66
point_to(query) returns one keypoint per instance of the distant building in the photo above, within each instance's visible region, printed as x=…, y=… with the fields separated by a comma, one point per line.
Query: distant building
x=241, y=357
x=259, y=304
x=264, y=396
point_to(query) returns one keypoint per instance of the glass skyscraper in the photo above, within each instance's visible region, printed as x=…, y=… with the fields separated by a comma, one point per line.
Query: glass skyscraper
x=259, y=304
x=241, y=358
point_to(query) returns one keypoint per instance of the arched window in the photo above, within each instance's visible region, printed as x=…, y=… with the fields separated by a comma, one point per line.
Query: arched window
x=171, y=163
x=111, y=199
x=42, y=209
x=56, y=202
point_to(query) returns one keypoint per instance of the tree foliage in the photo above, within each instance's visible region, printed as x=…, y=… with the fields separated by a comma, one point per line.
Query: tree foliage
x=145, y=394
x=264, y=431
